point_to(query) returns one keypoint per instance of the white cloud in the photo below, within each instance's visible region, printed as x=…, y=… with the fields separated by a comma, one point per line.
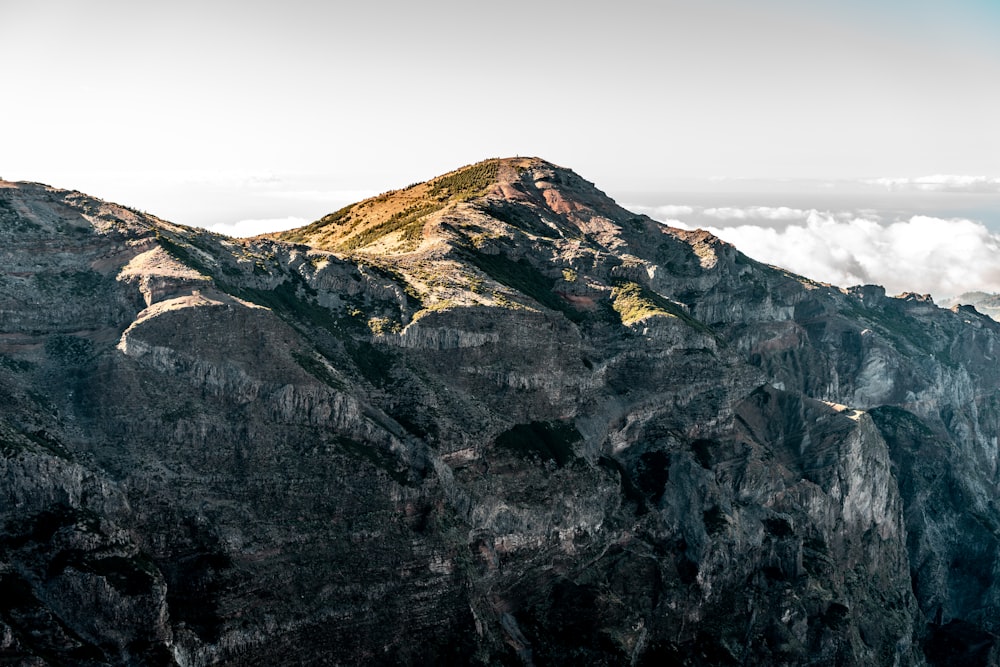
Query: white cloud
x=672, y=211
x=922, y=254
x=940, y=183
x=756, y=213
x=940, y=256
x=690, y=217
x=667, y=213
x=337, y=196
x=244, y=228
x=679, y=224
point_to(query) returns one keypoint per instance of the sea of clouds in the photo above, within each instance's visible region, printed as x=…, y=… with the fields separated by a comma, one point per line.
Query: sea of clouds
x=924, y=238
x=943, y=257
x=318, y=202
x=941, y=183
x=255, y=226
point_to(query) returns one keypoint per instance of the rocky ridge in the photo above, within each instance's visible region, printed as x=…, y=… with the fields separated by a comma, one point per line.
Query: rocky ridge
x=986, y=303
x=492, y=418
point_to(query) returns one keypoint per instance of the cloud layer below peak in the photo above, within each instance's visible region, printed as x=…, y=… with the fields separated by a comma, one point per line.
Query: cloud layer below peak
x=941, y=183
x=253, y=227
x=943, y=257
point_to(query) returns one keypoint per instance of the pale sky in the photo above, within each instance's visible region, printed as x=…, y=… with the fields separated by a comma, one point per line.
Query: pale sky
x=210, y=113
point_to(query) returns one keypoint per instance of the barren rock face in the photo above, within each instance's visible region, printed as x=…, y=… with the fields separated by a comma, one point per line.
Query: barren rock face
x=489, y=419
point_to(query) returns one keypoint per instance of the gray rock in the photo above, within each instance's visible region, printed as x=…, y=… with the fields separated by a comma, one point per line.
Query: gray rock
x=490, y=419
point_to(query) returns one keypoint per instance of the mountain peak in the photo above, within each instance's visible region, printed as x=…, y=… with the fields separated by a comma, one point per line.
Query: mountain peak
x=541, y=429
x=413, y=219
x=516, y=232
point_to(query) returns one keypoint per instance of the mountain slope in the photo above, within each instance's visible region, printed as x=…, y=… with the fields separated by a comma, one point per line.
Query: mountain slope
x=988, y=304
x=493, y=418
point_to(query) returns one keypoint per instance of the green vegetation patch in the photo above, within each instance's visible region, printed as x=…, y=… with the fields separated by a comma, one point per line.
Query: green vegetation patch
x=409, y=221
x=633, y=303
x=317, y=369
x=339, y=217
x=520, y=275
x=520, y=216
x=300, y=308
x=467, y=182
x=287, y=303
x=182, y=252
x=548, y=441
x=74, y=283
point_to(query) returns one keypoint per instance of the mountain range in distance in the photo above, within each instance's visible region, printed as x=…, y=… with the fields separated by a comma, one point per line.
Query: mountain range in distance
x=492, y=418
x=985, y=302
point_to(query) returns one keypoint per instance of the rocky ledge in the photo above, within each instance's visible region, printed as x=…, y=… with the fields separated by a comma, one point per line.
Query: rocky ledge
x=493, y=418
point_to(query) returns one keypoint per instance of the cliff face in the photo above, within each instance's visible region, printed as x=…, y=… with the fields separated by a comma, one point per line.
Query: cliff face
x=493, y=418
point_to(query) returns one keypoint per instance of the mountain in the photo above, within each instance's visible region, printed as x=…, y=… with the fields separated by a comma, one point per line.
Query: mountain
x=493, y=418
x=988, y=304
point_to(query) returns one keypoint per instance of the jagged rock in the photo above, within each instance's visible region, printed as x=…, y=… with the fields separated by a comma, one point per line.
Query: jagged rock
x=493, y=419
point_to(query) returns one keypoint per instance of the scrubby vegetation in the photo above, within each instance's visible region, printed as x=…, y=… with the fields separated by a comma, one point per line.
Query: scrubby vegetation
x=360, y=225
x=72, y=283
x=13, y=441
x=312, y=365
x=69, y=349
x=548, y=441
x=375, y=364
x=520, y=275
x=522, y=217
x=409, y=220
x=12, y=221
x=381, y=326
x=185, y=253
x=413, y=298
x=338, y=217
x=466, y=182
x=632, y=302
x=892, y=321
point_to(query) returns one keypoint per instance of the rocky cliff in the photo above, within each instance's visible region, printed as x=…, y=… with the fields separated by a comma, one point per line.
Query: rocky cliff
x=493, y=418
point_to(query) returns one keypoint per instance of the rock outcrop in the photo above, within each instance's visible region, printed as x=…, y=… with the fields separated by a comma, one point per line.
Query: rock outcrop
x=489, y=419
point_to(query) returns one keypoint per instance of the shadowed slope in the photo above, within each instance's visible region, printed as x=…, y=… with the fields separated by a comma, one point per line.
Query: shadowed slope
x=489, y=419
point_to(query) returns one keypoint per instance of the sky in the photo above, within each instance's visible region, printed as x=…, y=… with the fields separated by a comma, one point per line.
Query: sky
x=240, y=116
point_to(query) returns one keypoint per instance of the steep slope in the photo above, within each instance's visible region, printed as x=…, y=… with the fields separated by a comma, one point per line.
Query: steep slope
x=493, y=418
x=988, y=304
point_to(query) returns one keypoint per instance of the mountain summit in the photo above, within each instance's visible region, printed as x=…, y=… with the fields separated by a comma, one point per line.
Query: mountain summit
x=414, y=218
x=517, y=232
x=493, y=418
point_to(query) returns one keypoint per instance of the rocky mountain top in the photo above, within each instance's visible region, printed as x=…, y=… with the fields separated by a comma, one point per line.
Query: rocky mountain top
x=984, y=302
x=493, y=418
